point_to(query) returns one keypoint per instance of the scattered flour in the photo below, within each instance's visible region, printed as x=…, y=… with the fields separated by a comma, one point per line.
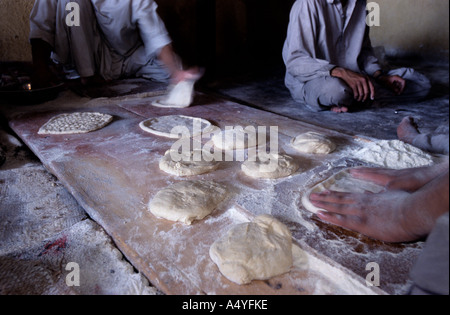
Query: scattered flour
x=394, y=154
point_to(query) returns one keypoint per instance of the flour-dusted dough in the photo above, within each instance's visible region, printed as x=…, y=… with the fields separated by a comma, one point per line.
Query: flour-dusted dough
x=75, y=123
x=191, y=163
x=187, y=201
x=272, y=166
x=237, y=139
x=313, y=143
x=164, y=126
x=257, y=250
x=340, y=182
x=180, y=95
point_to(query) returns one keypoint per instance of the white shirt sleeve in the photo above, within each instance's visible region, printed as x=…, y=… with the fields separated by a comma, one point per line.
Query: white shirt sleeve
x=300, y=55
x=43, y=21
x=151, y=28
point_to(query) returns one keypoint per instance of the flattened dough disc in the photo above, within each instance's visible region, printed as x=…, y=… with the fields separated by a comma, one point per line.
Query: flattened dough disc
x=191, y=163
x=75, y=123
x=274, y=166
x=175, y=126
x=313, y=143
x=341, y=182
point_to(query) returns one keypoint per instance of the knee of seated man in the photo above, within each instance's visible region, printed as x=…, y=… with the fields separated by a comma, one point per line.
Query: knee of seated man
x=336, y=92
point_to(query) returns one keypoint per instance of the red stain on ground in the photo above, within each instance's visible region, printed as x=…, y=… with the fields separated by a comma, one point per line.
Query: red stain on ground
x=54, y=247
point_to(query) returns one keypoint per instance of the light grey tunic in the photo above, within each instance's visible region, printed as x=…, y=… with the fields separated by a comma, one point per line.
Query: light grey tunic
x=115, y=37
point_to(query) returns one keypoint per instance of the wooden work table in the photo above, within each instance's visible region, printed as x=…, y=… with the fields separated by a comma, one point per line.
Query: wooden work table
x=113, y=173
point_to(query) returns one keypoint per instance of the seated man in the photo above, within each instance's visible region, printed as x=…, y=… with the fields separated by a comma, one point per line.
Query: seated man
x=330, y=61
x=113, y=39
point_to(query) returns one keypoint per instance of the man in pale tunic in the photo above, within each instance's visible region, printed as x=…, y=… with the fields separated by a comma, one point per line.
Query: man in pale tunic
x=330, y=61
x=114, y=39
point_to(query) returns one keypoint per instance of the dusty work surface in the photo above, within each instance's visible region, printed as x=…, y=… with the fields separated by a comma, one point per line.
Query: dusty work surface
x=113, y=173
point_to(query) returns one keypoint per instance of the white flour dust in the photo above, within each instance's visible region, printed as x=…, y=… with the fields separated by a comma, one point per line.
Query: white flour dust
x=394, y=154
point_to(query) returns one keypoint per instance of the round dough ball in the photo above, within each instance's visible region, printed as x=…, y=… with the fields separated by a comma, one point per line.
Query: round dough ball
x=273, y=167
x=187, y=201
x=237, y=139
x=191, y=163
x=257, y=250
x=313, y=143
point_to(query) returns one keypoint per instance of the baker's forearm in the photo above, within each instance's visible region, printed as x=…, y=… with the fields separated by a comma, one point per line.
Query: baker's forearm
x=170, y=59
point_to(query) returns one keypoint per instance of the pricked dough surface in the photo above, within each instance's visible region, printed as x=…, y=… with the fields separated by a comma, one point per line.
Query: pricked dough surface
x=341, y=182
x=191, y=163
x=257, y=250
x=163, y=126
x=313, y=143
x=187, y=201
x=75, y=123
x=272, y=167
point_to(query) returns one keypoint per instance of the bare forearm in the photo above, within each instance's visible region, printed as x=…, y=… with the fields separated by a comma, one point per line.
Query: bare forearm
x=428, y=204
x=170, y=59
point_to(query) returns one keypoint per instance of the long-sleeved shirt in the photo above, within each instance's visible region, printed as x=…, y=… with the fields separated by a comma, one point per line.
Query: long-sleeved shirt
x=124, y=25
x=323, y=34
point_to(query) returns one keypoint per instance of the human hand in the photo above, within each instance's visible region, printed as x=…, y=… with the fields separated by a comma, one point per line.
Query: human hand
x=395, y=83
x=380, y=216
x=362, y=87
x=193, y=74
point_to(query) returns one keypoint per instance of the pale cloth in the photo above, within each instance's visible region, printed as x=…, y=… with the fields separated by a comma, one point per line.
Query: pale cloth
x=115, y=38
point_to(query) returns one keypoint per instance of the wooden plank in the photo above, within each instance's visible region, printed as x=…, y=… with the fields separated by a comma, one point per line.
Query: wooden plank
x=114, y=173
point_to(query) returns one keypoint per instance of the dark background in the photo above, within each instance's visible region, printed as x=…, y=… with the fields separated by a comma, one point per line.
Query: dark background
x=227, y=37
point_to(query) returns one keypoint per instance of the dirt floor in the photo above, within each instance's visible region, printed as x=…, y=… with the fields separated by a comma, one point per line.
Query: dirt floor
x=43, y=230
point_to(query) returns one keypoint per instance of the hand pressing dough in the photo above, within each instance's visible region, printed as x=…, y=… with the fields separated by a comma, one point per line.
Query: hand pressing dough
x=180, y=95
x=191, y=163
x=341, y=182
x=75, y=123
x=187, y=201
x=257, y=250
x=273, y=167
x=313, y=143
x=237, y=139
x=164, y=126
